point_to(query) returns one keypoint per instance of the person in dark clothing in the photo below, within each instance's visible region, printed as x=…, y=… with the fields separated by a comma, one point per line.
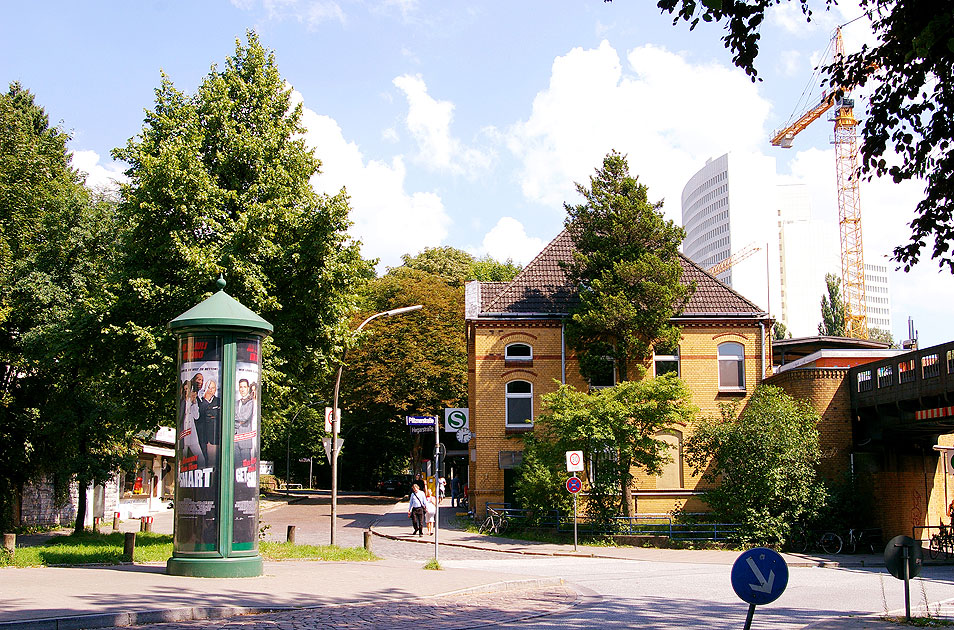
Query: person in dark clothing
x=416, y=509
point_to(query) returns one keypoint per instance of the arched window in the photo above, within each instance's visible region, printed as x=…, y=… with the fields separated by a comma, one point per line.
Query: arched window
x=670, y=477
x=518, y=352
x=519, y=404
x=731, y=366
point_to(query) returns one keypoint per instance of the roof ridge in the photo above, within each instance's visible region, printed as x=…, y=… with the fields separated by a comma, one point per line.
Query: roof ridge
x=723, y=284
x=526, y=270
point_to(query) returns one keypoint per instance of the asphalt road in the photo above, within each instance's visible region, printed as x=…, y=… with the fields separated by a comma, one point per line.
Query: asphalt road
x=626, y=593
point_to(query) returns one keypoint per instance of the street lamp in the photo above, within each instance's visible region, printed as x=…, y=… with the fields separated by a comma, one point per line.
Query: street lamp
x=335, y=419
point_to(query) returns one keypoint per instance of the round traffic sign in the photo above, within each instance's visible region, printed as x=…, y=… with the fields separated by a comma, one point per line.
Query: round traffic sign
x=575, y=458
x=574, y=485
x=894, y=557
x=759, y=576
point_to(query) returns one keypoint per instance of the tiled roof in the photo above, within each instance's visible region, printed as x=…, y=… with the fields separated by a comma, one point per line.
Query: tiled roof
x=542, y=288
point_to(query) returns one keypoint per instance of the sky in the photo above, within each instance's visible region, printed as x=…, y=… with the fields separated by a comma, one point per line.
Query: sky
x=468, y=124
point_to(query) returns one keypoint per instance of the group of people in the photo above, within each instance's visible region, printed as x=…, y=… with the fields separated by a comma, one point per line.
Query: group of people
x=200, y=408
x=422, y=508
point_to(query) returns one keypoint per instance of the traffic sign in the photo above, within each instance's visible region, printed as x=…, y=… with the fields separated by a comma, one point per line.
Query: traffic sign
x=574, y=485
x=328, y=418
x=894, y=557
x=759, y=576
x=456, y=419
x=574, y=461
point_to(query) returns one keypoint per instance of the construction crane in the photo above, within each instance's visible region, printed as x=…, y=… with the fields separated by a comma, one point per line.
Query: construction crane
x=734, y=259
x=849, y=199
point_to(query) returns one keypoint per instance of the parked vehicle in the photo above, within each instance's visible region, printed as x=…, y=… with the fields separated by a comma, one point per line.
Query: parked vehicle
x=396, y=486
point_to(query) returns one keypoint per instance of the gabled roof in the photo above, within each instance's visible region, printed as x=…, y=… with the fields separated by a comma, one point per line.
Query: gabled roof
x=542, y=288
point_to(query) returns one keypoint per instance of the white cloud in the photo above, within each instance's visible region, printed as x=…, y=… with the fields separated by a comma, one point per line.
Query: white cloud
x=387, y=219
x=791, y=63
x=508, y=239
x=99, y=176
x=429, y=122
x=667, y=114
x=308, y=12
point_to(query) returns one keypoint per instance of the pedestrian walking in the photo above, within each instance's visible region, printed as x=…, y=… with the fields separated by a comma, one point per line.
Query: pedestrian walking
x=430, y=507
x=441, y=489
x=455, y=491
x=416, y=509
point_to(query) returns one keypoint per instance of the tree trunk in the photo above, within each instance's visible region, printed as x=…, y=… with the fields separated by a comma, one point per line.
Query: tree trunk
x=80, y=524
x=629, y=502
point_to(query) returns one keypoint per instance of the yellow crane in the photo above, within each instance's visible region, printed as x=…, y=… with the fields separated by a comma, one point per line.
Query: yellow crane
x=849, y=199
x=734, y=259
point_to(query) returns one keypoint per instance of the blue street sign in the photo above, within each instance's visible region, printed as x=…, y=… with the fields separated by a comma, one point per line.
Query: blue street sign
x=574, y=485
x=413, y=421
x=759, y=576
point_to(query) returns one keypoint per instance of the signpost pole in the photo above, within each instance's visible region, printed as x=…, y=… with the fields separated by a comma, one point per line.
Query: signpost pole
x=748, y=618
x=437, y=484
x=574, y=519
x=907, y=582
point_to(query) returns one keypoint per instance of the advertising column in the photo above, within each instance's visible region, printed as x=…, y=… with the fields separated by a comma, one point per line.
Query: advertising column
x=197, y=440
x=247, y=432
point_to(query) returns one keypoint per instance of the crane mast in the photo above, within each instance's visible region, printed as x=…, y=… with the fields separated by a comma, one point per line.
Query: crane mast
x=849, y=197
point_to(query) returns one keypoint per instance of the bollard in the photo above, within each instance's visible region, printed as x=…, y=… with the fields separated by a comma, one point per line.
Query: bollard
x=367, y=540
x=142, y=523
x=147, y=523
x=115, y=521
x=10, y=543
x=129, y=546
x=290, y=534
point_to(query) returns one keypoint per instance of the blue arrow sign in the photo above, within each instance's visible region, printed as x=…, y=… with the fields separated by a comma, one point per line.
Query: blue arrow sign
x=759, y=576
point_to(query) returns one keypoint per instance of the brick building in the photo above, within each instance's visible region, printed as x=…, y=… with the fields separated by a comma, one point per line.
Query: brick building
x=517, y=352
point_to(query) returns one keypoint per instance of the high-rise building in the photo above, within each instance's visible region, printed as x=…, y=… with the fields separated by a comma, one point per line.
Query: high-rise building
x=730, y=206
x=735, y=204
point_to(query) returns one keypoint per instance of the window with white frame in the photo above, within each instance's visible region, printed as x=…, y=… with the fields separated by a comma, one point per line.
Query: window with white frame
x=518, y=352
x=666, y=360
x=731, y=366
x=519, y=404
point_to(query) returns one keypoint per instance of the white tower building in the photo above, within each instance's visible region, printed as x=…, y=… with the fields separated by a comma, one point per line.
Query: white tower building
x=728, y=206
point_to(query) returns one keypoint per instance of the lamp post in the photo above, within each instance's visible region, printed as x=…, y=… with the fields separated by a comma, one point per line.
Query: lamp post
x=336, y=419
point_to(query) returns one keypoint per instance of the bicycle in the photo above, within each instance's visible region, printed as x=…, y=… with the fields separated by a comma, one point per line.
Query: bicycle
x=495, y=523
x=867, y=539
x=828, y=542
x=943, y=540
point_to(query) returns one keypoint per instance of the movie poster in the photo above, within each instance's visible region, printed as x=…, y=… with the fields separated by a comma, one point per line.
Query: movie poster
x=247, y=422
x=197, y=459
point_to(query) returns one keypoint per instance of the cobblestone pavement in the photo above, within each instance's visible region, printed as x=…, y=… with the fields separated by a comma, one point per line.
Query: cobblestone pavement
x=464, y=610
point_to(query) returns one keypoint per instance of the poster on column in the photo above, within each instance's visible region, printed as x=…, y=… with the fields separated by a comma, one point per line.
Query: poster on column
x=247, y=421
x=197, y=440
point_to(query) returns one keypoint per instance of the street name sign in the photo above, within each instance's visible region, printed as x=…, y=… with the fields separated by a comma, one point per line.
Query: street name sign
x=418, y=421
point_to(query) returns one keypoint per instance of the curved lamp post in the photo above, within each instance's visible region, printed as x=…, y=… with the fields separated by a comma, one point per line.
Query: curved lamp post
x=336, y=420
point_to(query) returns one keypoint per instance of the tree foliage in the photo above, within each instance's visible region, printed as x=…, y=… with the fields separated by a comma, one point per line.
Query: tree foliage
x=220, y=183
x=833, y=311
x=410, y=364
x=457, y=266
x=907, y=131
x=58, y=416
x=761, y=463
x=616, y=429
x=627, y=269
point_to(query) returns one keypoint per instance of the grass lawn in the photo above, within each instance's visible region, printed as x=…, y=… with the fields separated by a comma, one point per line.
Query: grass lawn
x=95, y=548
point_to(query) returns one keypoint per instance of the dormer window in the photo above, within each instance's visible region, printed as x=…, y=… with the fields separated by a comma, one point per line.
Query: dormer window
x=518, y=352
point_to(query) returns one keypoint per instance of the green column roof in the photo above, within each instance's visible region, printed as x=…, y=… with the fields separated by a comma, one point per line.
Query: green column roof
x=220, y=311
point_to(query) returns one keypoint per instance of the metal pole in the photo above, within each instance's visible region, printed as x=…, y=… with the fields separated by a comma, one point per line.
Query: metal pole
x=748, y=618
x=287, y=456
x=574, y=518
x=336, y=419
x=437, y=484
x=907, y=582
x=311, y=461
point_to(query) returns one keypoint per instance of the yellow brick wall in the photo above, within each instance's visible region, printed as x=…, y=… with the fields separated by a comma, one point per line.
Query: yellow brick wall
x=489, y=373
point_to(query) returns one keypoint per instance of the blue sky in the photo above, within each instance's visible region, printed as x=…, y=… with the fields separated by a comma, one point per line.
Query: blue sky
x=466, y=124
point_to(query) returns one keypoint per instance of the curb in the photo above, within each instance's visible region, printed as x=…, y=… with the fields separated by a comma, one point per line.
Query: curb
x=109, y=620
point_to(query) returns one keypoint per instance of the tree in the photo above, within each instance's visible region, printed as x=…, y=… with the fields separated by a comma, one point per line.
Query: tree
x=58, y=418
x=627, y=270
x=780, y=331
x=486, y=269
x=906, y=132
x=834, y=319
x=407, y=365
x=457, y=266
x=616, y=428
x=762, y=463
x=880, y=334
x=220, y=183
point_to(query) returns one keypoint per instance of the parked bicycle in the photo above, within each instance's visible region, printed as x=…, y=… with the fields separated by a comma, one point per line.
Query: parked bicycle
x=943, y=540
x=495, y=523
x=866, y=540
x=826, y=542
